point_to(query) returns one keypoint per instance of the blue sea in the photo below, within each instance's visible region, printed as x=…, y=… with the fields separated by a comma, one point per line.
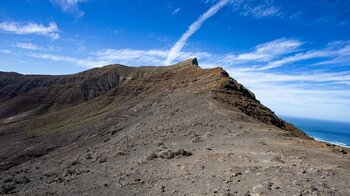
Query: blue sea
x=328, y=131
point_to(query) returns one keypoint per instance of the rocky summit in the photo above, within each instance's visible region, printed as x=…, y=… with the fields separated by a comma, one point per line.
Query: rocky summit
x=176, y=130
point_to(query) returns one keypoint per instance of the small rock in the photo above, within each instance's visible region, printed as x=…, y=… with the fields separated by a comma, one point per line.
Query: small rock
x=237, y=174
x=23, y=180
x=182, y=152
x=7, y=189
x=121, y=152
x=50, y=181
x=75, y=162
x=166, y=154
x=151, y=156
x=196, y=139
x=158, y=143
x=8, y=180
x=59, y=180
x=269, y=185
x=313, y=188
x=277, y=159
x=102, y=160
x=68, y=172
x=88, y=156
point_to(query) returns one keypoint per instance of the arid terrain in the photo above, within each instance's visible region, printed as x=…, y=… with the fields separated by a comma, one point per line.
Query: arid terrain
x=177, y=130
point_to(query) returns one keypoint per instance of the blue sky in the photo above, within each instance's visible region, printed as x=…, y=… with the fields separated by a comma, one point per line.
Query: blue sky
x=294, y=55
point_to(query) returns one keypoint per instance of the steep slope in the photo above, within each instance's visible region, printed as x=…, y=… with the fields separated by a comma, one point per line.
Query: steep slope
x=23, y=93
x=154, y=130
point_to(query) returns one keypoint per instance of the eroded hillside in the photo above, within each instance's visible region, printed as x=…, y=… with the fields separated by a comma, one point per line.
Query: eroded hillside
x=155, y=130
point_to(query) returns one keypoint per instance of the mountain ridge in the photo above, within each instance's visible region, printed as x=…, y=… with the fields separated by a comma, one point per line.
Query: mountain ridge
x=118, y=114
x=108, y=77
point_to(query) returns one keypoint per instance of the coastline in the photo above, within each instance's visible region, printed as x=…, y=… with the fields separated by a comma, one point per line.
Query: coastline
x=331, y=142
x=332, y=132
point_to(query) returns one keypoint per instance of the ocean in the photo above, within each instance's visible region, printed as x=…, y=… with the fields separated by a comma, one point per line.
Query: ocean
x=323, y=130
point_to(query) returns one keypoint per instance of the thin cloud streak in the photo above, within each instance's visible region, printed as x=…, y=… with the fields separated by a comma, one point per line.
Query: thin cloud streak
x=31, y=28
x=177, y=10
x=6, y=51
x=265, y=52
x=122, y=56
x=176, y=49
x=27, y=46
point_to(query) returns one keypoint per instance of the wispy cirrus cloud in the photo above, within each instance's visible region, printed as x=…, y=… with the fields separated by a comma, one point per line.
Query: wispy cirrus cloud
x=54, y=57
x=265, y=52
x=27, y=46
x=258, y=11
x=336, y=54
x=69, y=6
x=30, y=28
x=176, y=49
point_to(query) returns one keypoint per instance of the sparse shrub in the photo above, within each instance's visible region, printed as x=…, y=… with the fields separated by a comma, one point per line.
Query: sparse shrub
x=277, y=158
x=151, y=156
x=168, y=154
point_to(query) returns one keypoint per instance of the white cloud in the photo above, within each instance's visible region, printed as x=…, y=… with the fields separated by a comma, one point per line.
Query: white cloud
x=176, y=49
x=53, y=57
x=6, y=51
x=308, y=95
x=31, y=28
x=330, y=54
x=135, y=57
x=121, y=56
x=265, y=52
x=69, y=6
x=261, y=11
x=257, y=8
x=27, y=46
x=295, y=58
x=263, y=77
x=177, y=10
x=282, y=52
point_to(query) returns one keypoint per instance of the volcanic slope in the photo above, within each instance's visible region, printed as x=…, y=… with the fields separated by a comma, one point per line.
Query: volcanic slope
x=173, y=130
